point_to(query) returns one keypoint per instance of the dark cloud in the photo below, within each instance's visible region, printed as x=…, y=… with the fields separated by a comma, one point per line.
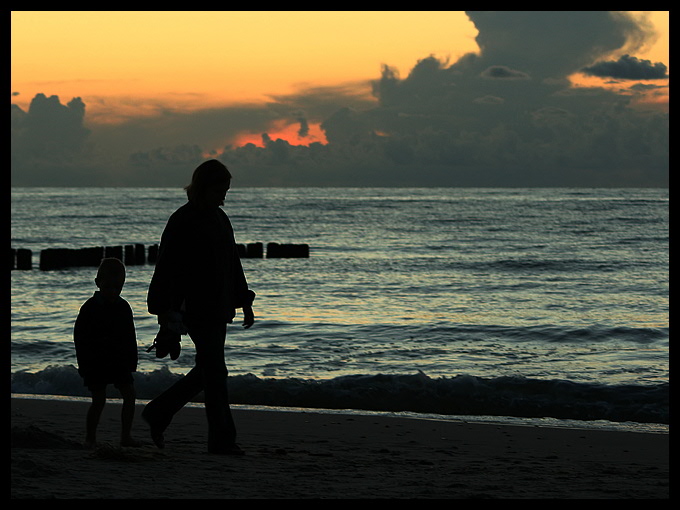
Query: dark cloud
x=49, y=136
x=503, y=73
x=50, y=129
x=506, y=116
x=628, y=68
x=548, y=43
x=304, y=126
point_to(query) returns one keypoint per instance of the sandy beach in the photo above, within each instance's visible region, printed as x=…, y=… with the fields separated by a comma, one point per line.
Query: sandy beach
x=308, y=455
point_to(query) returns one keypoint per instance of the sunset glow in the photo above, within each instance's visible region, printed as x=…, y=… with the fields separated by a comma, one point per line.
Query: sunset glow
x=282, y=130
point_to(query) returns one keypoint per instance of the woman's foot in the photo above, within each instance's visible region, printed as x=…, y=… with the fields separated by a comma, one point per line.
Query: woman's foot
x=155, y=428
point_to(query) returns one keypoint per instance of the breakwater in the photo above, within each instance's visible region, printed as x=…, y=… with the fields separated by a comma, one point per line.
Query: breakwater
x=135, y=254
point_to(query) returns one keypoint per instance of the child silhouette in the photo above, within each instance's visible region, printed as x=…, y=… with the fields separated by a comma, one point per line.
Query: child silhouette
x=106, y=349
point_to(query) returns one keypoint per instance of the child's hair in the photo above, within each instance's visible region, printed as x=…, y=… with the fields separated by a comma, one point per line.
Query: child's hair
x=110, y=266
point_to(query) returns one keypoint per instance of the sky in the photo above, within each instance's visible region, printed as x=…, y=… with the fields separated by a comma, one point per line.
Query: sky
x=341, y=98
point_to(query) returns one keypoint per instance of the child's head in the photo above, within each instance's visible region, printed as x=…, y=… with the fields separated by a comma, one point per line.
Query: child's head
x=110, y=278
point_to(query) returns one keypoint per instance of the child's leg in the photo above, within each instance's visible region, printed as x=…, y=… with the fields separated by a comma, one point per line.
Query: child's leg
x=127, y=414
x=93, y=415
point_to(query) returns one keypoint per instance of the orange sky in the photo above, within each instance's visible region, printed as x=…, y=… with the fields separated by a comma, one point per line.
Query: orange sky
x=127, y=63
x=203, y=58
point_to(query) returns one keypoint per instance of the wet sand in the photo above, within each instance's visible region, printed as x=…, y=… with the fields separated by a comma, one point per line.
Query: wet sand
x=308, y=455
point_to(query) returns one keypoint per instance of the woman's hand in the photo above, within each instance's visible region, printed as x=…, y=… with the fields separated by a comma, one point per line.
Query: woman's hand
x=248, y=316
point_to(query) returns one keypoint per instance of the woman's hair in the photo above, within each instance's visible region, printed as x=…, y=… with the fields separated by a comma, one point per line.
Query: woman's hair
x=206, y=175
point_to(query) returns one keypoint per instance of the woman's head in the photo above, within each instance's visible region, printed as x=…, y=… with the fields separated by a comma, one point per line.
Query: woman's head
x=209, y=184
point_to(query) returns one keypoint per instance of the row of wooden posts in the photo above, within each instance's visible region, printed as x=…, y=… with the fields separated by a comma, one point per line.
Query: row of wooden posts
x=136, y=254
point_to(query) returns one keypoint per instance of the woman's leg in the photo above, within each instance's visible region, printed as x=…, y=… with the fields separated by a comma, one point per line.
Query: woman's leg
x=159, y=412
x=209, y=341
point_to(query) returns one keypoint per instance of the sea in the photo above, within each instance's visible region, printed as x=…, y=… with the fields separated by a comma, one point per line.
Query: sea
x=530, y=306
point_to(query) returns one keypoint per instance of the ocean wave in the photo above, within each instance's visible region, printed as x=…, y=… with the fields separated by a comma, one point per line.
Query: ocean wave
x=541, y=333
x=418, y=393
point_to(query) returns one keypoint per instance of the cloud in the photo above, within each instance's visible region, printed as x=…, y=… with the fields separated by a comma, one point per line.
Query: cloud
x=505, y=116
x=503, y=73
x=553, y=43
x=304, y=126
x=50, y=129
x=50, y=135
x=628, y=68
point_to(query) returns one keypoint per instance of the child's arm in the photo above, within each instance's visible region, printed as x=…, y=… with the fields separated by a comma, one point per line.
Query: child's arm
x=82, y=332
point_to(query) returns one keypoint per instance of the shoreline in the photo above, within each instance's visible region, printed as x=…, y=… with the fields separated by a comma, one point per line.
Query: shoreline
x=306, y=454
x=647, y=428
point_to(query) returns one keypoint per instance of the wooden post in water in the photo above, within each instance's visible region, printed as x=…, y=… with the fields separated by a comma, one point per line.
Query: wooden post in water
x=115, y=252
x=254, y=250
x=140, y=257
x=53, y=258
x=277, y=251
x=24, y=259
x=153, y=254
